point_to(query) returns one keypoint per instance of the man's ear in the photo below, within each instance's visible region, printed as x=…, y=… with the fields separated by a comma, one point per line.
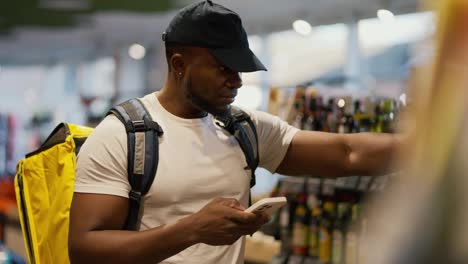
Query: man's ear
x=177, y=63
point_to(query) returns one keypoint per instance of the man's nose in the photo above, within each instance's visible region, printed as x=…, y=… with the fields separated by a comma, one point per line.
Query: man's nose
x=235, y=80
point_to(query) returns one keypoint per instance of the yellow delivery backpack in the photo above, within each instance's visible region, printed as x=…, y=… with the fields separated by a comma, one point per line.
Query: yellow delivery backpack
x=44, y=188
x=45, y=178
x=44, y=182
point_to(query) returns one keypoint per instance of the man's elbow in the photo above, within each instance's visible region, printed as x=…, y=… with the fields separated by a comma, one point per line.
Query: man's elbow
x=361, y=166
x=76, y=252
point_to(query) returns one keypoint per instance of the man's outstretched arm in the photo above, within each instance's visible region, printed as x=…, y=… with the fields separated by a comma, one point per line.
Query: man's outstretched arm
x=336, y=155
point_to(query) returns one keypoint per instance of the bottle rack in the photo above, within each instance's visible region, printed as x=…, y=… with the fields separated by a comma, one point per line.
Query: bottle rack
x=322, y=222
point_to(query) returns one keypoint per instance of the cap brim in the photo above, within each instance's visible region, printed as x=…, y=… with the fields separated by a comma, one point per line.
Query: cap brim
x=240, y=60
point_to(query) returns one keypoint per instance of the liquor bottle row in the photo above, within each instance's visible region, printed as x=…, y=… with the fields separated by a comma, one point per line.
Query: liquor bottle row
x=309, y=110
x=322, y=222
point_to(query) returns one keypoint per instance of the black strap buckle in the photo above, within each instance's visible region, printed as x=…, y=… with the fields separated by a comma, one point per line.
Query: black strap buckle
x=135, y=196
x=139, y=125
x=146, y=125
x=239, y=117
x=226, y=123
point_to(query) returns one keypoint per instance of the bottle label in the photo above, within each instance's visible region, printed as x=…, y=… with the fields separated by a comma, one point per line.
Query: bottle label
x=313, y=241
x=337, y=247
x=351, y=248
x=299, y=240
x=324, y=245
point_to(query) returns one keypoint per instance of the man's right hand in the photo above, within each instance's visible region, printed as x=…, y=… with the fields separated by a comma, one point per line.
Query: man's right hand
x=97, y=219
x=223, y=221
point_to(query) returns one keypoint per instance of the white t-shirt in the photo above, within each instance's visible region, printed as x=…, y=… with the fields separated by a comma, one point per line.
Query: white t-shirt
x=198, y=162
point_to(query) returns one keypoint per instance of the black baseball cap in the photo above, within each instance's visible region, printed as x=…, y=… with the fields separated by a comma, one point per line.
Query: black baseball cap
x=213, y=26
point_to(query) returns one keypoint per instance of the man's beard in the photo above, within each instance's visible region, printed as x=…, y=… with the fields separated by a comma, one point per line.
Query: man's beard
x=201, y=103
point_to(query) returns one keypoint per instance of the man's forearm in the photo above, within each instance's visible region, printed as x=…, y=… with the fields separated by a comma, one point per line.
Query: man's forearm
x=371, y=153
x=119, y=246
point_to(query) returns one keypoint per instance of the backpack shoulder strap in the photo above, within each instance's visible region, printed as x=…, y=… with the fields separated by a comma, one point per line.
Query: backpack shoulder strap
x=239, y=124
x=143, y=152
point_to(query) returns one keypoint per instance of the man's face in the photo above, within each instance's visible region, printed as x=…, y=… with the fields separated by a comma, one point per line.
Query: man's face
x=209, y=85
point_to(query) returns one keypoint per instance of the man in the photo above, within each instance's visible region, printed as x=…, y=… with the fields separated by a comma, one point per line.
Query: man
x=193, y=212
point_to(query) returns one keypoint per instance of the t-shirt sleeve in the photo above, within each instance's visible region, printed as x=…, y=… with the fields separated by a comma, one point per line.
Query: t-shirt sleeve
x=102, y=161
x=274, y=136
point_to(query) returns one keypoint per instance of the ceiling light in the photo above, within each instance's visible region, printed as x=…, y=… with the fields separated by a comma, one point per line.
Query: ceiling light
x=302, y=27
x=341, y=103
x=137, y=51
x=385, y=15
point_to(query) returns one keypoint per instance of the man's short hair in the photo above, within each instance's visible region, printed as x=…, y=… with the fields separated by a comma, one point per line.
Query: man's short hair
x=173, y=48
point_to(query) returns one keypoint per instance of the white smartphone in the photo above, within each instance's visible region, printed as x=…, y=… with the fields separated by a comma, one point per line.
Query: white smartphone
x=267, y=205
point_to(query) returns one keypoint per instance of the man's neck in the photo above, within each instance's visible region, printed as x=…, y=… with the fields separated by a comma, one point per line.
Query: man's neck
x=177, y=104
